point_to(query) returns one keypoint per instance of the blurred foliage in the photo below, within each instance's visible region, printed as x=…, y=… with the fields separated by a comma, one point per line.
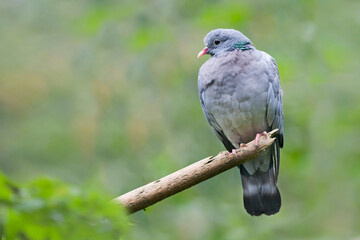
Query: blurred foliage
x=103, y=94
x=48, y=209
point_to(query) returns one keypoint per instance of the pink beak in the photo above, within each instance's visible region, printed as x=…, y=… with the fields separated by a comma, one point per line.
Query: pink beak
x=202, y=52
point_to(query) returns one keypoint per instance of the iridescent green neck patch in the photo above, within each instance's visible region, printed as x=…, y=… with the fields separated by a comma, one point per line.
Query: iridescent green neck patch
x=244, y=45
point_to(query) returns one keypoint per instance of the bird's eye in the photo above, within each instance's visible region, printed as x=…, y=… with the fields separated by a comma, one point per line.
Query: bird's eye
x=217, y=42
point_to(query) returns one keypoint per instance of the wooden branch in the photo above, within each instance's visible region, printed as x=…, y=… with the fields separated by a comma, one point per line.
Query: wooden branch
x=191, y=175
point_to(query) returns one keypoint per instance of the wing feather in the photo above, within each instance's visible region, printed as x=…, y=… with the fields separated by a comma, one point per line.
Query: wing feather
x=214, y=124
x=274, y=113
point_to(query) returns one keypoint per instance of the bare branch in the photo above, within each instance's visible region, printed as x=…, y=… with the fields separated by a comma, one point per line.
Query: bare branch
x=191, y=175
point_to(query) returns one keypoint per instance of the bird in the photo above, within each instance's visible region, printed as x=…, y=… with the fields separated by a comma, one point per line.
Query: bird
x=241, y=97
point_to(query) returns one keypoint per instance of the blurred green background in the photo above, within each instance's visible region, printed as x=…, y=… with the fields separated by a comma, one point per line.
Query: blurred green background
x=104, y=94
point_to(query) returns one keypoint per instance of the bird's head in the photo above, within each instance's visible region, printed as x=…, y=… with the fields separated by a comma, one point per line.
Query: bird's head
x=221, y=40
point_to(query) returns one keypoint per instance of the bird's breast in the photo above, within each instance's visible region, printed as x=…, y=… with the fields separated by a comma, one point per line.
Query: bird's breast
x=237, y=100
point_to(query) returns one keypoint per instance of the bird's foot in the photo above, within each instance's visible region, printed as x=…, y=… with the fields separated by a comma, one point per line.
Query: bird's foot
x=258, y=137
x=233, y=152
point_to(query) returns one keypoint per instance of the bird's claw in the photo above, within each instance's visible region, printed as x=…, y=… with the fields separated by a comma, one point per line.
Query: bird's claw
x=234, y=151
x=258, y=137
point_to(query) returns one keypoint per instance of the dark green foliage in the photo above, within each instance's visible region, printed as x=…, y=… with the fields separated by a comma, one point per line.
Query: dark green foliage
x=46, y=209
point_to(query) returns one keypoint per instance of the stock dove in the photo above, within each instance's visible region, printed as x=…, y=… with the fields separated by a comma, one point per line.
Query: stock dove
x=241, y=97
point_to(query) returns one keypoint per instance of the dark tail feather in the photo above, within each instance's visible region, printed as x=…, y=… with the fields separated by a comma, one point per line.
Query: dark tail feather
x=261, y=195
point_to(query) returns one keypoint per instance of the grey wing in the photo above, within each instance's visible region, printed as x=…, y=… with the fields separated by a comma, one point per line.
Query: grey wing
x=274, y=113
x=214, y=124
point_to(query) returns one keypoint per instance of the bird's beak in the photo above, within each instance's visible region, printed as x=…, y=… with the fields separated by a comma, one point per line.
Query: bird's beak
x=202, y=52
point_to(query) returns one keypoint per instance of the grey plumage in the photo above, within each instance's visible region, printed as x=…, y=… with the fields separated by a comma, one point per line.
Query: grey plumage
x=240, y=95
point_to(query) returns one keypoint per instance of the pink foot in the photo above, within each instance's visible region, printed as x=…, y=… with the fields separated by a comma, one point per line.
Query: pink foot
x=258, y=137
x=233, y=152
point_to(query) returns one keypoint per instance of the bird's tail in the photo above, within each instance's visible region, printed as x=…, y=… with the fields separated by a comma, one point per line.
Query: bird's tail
x=261, y=195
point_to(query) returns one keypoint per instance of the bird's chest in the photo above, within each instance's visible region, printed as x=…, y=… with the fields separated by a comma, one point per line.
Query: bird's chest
x=238, y=105
x=231, y=101
x=232, y=90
